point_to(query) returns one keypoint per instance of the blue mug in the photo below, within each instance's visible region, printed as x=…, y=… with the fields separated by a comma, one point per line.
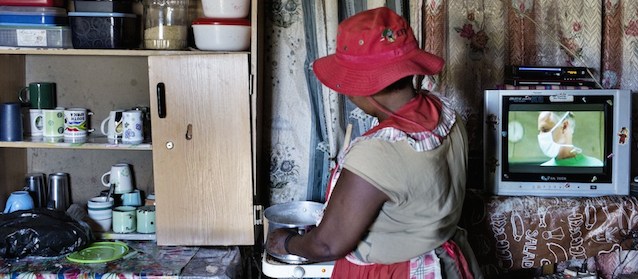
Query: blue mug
x=132, y=199
x=19, y=200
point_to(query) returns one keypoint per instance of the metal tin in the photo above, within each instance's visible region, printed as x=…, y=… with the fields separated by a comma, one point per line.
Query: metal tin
x=59, y=191
x=35, y=185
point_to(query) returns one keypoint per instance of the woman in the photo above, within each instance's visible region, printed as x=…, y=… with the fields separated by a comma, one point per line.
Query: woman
x=397, y=193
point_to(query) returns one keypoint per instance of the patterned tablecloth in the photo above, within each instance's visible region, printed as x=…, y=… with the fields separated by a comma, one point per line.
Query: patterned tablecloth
x=150, y=261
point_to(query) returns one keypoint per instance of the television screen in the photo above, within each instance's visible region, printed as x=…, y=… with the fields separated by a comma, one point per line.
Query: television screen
x=564, y=143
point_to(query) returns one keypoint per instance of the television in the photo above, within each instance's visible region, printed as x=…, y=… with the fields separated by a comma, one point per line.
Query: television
x=569, y=143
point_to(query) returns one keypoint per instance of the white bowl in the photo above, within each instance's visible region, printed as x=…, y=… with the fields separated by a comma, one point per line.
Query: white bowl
x=100, y=225
x=100, y=214
x=226, y=8
x=214, y=34
x=100, y=203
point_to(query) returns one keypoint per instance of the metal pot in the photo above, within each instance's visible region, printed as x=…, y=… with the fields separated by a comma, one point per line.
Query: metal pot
x=301, y=216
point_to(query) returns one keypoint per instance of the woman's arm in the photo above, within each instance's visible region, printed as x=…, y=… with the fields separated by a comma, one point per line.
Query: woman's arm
x=353, y=207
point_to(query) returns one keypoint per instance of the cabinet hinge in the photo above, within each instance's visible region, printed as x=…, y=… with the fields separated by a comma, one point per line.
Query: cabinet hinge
x=259, y=214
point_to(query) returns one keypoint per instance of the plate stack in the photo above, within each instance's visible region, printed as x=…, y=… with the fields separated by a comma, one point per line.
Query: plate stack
x=104, y=24
x=224, y=27
x=34, y=23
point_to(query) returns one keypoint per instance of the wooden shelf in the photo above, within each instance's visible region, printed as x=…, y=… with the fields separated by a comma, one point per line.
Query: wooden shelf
x=124, y=236
x=94, y=143
x=102, y=52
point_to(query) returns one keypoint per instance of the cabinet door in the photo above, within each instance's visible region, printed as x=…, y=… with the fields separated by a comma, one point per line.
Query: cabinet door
x=202, y=149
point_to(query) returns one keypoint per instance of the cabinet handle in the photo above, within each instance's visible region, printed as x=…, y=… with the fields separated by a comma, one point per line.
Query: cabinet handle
x=161, y=100
x=189, y=132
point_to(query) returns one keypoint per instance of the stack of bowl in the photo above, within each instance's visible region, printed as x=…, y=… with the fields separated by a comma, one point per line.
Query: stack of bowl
x=224, y=27
x=100, y=213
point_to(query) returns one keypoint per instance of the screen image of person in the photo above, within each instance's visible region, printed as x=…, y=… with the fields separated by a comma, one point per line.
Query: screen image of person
x=556, y=141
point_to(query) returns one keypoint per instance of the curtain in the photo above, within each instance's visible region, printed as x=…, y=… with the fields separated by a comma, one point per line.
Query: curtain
x=477, y=38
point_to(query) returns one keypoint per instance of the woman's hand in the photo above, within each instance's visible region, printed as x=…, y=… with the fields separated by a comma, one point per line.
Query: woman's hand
x=275, y=241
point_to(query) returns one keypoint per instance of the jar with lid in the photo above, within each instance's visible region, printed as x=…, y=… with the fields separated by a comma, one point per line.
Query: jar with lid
x=165, y=24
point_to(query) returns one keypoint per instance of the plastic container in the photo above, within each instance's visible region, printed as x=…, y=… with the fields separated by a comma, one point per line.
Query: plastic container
x=166, y=24
x=226, y=8
x=13, y=15
x=104, y=30
x=222, y=34
x=104, y=6
x=36, y=36
x=33, y=3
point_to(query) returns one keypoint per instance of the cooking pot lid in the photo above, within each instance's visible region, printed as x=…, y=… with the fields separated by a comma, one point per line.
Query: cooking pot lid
x=297, y=213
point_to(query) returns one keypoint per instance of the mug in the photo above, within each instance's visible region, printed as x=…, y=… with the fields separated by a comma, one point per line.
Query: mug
x=133, y=127
x=124, y=219
x=10, y=122
x=76, y=123
x=53, y=123
x=133, y=198
x=121, y=177
x=41, y=95
x=146, y=219
x=36, y=123
x=111, y=126
x=18, y=200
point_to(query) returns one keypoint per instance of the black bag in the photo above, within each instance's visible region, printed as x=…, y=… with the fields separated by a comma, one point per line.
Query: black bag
x=41, y=232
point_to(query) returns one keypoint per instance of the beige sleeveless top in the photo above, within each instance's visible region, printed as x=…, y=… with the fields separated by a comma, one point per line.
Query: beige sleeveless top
x=426, y=190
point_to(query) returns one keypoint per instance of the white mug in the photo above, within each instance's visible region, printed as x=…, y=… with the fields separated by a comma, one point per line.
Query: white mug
x=36, y=120
x=120, y=175
x=76, y=121
x=113, y=131
x=53, y=124
x=133, y=130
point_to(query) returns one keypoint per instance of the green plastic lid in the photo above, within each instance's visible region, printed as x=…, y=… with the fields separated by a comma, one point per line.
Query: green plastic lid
x=99, y=252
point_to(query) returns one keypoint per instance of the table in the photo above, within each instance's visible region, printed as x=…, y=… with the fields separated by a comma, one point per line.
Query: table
x=150, y=261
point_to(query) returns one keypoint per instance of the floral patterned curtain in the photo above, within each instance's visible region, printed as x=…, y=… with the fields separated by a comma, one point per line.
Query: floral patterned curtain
x=477, y=38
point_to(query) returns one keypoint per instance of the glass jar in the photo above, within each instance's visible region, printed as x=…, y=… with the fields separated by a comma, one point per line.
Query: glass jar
x=166, y=24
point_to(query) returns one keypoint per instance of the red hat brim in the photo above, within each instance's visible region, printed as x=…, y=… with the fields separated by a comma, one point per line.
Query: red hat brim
x=365, y=80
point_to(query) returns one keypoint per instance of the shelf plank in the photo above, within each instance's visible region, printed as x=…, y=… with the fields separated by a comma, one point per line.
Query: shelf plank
x=94, y=143
x=102, y=52
x=124, y=236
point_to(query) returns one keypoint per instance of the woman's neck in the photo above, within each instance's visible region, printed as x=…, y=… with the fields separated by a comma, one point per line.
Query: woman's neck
x=392, y=101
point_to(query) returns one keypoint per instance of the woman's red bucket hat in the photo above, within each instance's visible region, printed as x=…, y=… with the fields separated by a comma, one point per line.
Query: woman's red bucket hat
x=375, y=48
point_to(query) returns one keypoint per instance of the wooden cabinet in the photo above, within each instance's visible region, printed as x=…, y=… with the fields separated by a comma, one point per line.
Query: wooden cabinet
x=202, y=149
x=202, y=160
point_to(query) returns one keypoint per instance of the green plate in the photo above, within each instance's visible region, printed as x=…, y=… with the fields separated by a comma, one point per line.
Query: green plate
x=99, y=252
